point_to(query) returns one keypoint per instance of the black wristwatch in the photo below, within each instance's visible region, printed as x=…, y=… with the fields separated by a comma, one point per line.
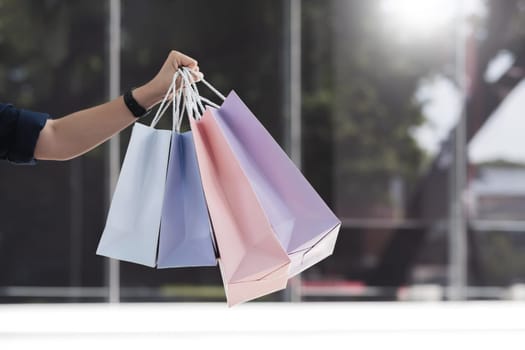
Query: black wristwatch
x=135, y=108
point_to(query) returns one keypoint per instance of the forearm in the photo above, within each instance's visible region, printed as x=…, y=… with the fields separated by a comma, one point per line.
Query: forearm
x=79, y=132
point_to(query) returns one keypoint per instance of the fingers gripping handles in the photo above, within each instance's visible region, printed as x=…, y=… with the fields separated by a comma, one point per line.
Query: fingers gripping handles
x=183, y=95
x=192, y=99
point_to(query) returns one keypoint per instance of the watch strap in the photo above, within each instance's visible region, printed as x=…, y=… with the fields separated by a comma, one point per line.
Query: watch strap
x=135, y=108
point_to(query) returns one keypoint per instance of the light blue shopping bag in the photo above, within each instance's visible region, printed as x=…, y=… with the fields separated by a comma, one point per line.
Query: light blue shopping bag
x=132, y=226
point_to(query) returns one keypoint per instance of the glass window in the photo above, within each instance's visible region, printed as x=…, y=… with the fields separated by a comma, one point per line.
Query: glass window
x=410, y=131
x=53, y=60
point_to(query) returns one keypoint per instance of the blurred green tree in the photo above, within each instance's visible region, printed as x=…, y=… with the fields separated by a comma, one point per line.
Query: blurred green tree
x=360, y=76
x=39, y=39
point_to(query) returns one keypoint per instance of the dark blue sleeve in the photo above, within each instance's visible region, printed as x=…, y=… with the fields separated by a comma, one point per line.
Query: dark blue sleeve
x=19, y=131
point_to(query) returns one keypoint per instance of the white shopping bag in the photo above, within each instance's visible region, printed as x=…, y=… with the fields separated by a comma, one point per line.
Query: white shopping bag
x=133, y=222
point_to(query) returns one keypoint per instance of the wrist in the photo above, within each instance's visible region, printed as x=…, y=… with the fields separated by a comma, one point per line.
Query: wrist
x=146, y=96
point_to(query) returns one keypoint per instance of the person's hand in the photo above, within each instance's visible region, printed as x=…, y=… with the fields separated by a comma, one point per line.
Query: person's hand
x=152, y=92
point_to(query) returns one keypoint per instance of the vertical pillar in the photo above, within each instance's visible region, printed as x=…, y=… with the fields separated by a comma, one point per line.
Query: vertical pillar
x=292, y=102
x=458, y=252
x=113, y=267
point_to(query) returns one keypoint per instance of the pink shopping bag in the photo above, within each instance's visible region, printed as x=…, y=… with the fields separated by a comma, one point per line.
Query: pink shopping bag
x=251, y=259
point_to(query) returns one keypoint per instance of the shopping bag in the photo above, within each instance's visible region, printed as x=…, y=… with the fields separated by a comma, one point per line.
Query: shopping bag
x=251, y=259
x=303, y=223
x=132, y=226
x=185, y=231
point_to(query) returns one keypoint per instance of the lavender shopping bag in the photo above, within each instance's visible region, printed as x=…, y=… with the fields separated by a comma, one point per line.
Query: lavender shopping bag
x=303, y=223
x=185, y=232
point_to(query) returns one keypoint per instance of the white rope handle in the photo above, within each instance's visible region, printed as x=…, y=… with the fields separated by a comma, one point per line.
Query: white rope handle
x=205, y=82
x=208, y=102
x=186, y=99
x=191, y=84
x=214, y=90
x=181, y=108
x=196, y=97
x=163, y=106
x=178, y=112
x=190, y=96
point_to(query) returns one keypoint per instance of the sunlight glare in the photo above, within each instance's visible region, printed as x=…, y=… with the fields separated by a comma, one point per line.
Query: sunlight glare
x=423, y=16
